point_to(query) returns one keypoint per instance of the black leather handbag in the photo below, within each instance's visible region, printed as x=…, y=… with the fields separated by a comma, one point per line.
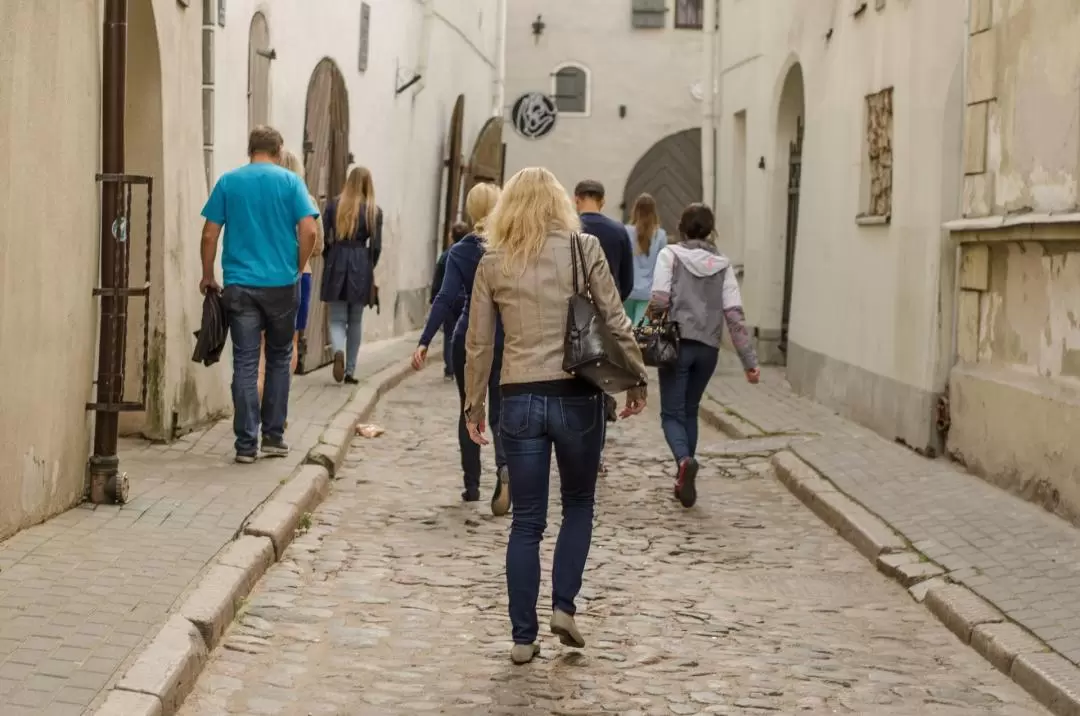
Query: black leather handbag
x=590, y=351
x=658, y=341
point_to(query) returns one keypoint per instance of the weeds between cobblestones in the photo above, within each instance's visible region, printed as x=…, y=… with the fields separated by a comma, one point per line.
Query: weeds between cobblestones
x=929, y=570
x=165, y=672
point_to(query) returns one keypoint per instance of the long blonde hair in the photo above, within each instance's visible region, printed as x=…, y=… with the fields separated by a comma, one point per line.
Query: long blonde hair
x=359, y=192
x=290, y=161
x=479, y=202
x=646, y=221
x=532, y=205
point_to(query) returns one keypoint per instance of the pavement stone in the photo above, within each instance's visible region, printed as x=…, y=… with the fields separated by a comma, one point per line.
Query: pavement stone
x=1012, y=553
x=394, y=601
x=82, y=592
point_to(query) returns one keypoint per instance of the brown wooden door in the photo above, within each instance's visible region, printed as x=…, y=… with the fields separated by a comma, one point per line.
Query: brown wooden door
x=486, y=160
x=453, y=170
x=326, y=139
x=671, y=172
x=258, y=72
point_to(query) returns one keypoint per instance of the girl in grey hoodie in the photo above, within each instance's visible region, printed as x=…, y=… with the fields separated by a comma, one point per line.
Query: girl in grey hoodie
x=697, y=288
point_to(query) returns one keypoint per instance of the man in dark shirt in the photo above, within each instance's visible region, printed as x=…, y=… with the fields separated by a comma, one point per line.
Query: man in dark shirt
x=589, y=197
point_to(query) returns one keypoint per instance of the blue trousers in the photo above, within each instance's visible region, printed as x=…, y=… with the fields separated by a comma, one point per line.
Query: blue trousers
x=682, y=386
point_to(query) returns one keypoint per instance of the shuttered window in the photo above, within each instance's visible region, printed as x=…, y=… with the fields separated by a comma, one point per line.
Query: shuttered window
x=648, y=14
x=572, y=90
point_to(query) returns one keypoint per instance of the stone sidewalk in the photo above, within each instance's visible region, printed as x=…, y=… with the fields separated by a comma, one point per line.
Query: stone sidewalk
x=1020, y=558
x=81, y=593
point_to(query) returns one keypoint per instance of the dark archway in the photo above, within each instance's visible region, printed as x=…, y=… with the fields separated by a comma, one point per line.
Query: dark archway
x=326, y=159
x=671, y=172
x=790, y=124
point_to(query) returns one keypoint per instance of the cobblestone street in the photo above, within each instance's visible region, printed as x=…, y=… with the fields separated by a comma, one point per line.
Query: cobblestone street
x=393, y=602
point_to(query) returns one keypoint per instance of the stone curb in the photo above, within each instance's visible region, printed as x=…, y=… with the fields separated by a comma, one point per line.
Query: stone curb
x=1048, y=677
x=729, y=424
x=164, y=673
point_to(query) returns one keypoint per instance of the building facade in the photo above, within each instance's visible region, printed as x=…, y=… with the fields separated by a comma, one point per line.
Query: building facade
x=627, y=77
x=1015, y=391
x=371, y=82
x=839, y=160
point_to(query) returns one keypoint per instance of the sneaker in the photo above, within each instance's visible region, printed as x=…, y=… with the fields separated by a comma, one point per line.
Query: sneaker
x=339, y=366
x=449, y=378
x=470, y=495
x=685, y=487
x=274, y=447
x=245, y=458
x=349, y=380
x=564, y=627
x=524, y=653
x=500, y=499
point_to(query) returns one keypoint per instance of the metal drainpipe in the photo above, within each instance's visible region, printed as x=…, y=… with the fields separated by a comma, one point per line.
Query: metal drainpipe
x=708, y=101
x=499, y=93
x=955, y=333
x=104, y=464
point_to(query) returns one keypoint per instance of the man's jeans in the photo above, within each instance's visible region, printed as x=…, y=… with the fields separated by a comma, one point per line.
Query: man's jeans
x=470, y=451
x=251, y=313
x=346, y=331
x=531, y=426
x=681, y=387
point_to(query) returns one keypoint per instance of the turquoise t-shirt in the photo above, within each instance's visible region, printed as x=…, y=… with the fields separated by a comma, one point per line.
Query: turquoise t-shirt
x=259, y=205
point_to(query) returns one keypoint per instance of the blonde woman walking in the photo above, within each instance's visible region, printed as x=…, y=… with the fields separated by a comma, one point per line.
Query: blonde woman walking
x=647, y=238
x=461, y=263
x=525, y=277
x=353, y=226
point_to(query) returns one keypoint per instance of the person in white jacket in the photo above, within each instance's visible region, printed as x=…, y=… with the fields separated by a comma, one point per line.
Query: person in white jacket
x=695, y=286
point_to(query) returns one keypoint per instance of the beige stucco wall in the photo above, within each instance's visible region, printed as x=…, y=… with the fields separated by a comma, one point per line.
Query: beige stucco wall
x=400, y=138
x=48, y=253
x=650, y=71
x=870, y=317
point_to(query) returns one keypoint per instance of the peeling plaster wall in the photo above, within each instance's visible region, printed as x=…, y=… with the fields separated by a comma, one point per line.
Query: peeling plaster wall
x=48, y=253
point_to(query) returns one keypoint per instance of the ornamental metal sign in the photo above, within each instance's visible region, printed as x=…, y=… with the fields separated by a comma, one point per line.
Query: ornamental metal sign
x=534, y=115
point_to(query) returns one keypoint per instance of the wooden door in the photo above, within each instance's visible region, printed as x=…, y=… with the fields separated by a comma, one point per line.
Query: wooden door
x=326, y=149
x=671, y=172
x=453, y=164
x=486, y=160
x=258, y=72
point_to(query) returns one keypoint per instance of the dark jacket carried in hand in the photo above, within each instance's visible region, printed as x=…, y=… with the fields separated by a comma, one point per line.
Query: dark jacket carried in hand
x=349, y=271
x=212, y=333
x=615, y=242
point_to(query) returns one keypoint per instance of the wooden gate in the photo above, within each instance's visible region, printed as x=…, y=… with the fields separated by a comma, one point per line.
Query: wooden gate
x=794, y=183
x=326, y=158
x=453, y=164
x=258, y=72
x=486, y=161
x=671, y=172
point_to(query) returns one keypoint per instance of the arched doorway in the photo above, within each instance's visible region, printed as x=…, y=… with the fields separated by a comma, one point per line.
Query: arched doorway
x=258, y=71
x=671, y=172
x=790, y=124
x=143, y=141
x=326, y=159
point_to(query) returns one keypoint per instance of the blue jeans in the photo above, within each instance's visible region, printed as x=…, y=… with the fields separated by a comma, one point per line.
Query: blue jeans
x=682, y=386
x=448, y=345
x=531, y=426
x=253, y=312
x=470, y=451
x=346, y=330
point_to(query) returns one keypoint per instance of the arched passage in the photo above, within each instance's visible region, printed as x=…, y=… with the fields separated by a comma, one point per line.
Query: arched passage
x=258, y=71
x=671, y=172
x=790, y=122
x=143, y=142
x=326, y=159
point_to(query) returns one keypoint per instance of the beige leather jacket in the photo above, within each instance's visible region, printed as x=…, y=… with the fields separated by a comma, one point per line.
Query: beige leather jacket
x=533, y=308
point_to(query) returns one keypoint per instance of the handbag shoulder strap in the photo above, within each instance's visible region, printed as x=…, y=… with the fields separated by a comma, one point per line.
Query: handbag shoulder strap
x=577, y=253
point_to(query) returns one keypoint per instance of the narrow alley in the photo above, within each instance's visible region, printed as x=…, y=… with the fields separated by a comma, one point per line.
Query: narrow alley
x=393, y=601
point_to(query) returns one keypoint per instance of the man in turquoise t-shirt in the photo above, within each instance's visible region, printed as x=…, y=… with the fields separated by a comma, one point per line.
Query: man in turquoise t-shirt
x=270, y=232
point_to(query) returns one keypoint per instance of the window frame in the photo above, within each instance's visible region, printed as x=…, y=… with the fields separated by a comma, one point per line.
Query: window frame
x=684, y=26
x=588, y=87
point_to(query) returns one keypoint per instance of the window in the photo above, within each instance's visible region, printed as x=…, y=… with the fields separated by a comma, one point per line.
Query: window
x=648, y=14
x=571, y=89
x=878, y=156
x=365, y=34
x=689, y=14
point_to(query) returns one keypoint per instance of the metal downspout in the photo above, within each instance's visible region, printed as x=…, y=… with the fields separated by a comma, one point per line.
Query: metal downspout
x=708, y=104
